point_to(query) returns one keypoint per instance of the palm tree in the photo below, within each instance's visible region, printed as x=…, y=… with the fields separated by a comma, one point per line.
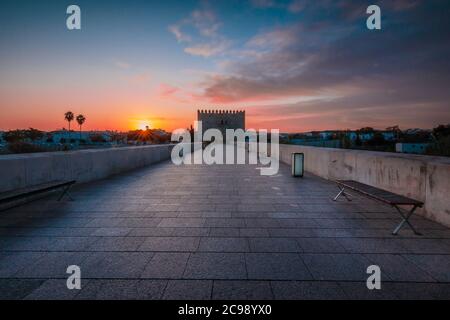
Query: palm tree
x=68, y=116
x=80, y=119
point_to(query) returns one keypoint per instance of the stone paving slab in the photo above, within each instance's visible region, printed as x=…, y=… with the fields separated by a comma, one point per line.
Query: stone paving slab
x=217, y=232
x=216, y=266
x=276, y=266
x=307, y=290
x=123, y=290
x=188, y=290
x=166, y=265
x=437, y=266
x=242, y=290
x=351, y=267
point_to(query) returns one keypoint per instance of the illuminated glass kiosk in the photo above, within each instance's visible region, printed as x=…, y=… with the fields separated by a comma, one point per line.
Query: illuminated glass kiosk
x=297, y=164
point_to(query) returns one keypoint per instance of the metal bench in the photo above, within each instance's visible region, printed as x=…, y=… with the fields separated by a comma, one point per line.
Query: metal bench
x=384, y=196
x=18, y=194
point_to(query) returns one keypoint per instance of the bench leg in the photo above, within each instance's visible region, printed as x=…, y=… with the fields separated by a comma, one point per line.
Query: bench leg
x=405, y=220
x=342, y=192
x=65, y=193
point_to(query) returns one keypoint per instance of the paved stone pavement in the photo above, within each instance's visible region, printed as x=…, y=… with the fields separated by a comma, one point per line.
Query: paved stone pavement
x=216, y=232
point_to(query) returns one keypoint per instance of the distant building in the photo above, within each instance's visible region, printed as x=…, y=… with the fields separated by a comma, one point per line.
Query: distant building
x=388, y=135
x=325, y=143
x=415, y=131
x=65, y=136
x=418, y=148
x=365, y=136
x=326, y=134
x=352, y=135
x=2, y=141
x=221, y=119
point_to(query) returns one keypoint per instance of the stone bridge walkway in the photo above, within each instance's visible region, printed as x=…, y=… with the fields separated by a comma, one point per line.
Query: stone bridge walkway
x=216, y=232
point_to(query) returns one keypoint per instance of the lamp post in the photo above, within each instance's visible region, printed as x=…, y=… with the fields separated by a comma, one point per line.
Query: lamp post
x=298, y=164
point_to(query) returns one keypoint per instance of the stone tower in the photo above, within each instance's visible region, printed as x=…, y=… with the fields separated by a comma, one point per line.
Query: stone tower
x=221, y=119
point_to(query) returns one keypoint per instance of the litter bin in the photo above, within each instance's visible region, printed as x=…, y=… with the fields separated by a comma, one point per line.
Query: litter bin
x=297, y=164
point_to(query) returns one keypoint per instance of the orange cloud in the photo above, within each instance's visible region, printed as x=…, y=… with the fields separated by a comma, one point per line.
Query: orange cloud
x=166, y=90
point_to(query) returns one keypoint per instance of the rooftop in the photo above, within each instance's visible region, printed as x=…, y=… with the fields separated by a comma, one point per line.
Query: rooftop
x=202, y=232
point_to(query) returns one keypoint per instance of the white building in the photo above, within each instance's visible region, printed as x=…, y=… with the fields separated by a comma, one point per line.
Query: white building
x=352, y=135
x=2, y=141
x=326, y=134
x=388, y=135
x=65, y=136
x=366, y=136
x=418, y=148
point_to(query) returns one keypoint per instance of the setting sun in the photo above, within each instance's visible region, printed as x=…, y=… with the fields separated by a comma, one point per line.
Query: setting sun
x=141, y=124
x=144, y=126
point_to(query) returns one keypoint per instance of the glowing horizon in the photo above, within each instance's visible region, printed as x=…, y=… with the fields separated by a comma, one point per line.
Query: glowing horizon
x=296, y=65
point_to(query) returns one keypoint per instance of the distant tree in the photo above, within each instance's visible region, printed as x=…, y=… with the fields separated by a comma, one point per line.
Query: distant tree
x=377, y=140
x=396, y=130
x=34, y=134
x=15, y=136
x=366, y=130
x=81, y=120
x=21, y=135
x=441, y=131
x=118, y=137
x=420, y=136
x=97, y=138
x=345, y=141
x=441, y=144
x=133, y=135
x=161, y=137
x=24, y=147
x=69, y=116
x=440, y=147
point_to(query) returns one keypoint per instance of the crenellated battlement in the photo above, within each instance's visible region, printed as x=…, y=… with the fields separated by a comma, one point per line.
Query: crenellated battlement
x=221, y=112
x=221, y=119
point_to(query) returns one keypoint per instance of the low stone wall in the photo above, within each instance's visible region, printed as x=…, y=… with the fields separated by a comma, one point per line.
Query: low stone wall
x=22, y=170
x=424, y=178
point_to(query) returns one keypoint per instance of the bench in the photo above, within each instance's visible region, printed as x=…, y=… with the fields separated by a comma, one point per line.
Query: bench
x=384, y=196
x=18, y=194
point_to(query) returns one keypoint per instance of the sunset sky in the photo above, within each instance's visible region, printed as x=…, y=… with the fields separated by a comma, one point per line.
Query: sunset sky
x=295, y=65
